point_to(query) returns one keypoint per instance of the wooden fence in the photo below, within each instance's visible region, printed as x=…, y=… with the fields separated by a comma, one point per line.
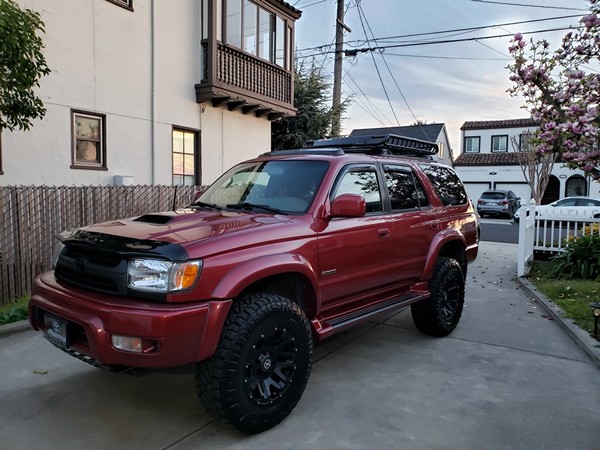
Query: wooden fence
x=31, y=217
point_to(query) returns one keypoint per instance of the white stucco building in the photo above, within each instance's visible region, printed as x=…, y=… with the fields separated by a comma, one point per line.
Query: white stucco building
x=154, y=92
x=488, y=161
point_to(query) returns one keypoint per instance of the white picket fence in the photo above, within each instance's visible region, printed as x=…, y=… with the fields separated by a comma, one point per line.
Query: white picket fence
x=548, y=233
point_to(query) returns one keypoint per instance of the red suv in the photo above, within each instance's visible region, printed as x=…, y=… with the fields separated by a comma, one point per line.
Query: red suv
x=282, y=249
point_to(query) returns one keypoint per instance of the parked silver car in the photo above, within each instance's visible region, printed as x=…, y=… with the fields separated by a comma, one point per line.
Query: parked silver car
x=498, y=203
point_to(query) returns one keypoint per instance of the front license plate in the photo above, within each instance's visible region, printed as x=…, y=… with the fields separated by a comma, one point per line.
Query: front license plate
x=56, y=330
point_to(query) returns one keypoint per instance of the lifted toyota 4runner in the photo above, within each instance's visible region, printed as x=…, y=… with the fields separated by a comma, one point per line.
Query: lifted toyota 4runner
x=282, y=249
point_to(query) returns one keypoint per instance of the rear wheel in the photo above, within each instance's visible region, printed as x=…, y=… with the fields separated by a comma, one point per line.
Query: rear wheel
x=261, y=365
x=439, y=315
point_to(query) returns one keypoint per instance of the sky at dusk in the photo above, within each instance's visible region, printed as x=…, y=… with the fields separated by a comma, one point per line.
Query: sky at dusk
x=430, y=81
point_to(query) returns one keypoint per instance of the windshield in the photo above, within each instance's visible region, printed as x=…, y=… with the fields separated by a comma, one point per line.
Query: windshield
x=287, y=186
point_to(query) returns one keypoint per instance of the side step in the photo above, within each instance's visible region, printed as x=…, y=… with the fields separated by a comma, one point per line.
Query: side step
x=327, y=327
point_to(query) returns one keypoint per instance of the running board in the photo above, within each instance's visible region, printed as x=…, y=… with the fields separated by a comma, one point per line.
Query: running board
x=327, y=327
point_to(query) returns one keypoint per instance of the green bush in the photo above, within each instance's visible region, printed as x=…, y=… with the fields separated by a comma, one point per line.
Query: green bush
x=581, y=259
x=15, y=311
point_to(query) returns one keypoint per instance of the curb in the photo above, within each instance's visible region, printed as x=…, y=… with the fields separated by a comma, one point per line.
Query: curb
x=583, y=339
x=15, y=327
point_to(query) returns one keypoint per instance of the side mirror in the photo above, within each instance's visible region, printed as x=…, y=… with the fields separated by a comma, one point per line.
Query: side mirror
x=348, y=205
x=197, y=195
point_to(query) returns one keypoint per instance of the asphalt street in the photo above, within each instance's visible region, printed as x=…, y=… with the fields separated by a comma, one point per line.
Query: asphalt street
x=509, y=377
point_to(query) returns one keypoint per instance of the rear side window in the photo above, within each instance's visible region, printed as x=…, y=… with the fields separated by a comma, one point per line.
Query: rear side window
x=447, y=184
x=404, y=189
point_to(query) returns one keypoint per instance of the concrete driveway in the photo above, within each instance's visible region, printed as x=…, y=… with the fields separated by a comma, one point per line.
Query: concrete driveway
x=507, y=378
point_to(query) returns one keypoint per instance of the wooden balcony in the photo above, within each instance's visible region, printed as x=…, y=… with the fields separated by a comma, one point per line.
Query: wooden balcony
x=238, y=80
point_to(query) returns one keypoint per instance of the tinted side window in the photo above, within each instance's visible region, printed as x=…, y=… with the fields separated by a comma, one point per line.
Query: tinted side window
x=362, y=182
x=447, y=184
x=404, y=189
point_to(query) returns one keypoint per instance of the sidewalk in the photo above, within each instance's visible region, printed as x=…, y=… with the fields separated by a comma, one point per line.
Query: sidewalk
x=508, y=377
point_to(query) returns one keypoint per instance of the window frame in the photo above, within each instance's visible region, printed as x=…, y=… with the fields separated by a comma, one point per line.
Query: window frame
x=353, y=168
x=474, y=138
x=498, y=136
x=75, y=164
x=417, y=188
x=127, y=4
x=272, y=33
x=197, y=164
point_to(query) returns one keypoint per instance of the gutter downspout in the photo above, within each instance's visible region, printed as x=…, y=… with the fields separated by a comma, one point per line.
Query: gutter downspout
x=152, y=92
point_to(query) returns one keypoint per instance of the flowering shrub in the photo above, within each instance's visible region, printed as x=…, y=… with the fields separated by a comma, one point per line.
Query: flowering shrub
x=560, y=94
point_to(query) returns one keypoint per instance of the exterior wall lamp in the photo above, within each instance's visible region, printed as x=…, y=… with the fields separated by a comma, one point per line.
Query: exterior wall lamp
x=596, y=312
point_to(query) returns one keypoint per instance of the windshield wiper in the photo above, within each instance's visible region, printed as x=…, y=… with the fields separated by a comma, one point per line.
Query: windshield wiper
x=246, y=205
x=198, y=204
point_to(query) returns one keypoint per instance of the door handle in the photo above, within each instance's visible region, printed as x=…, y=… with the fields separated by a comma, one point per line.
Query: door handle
x=384, y=233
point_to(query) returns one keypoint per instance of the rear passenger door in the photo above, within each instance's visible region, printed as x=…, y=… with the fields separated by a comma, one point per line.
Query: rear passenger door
x=413, y=221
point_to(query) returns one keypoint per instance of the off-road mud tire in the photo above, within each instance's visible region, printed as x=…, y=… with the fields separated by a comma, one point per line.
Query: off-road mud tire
x=439, y=315
x=261, y=366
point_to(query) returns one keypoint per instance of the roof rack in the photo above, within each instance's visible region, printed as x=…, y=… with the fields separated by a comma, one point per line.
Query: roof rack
x=388, y=144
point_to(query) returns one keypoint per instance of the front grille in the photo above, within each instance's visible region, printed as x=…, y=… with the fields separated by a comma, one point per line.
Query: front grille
x=93, y=269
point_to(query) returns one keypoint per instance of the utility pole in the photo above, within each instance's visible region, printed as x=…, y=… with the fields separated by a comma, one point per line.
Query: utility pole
x=337, y=68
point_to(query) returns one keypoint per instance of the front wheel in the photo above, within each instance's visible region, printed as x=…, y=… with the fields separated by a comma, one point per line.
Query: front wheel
x=439, y=315
x=261, y=366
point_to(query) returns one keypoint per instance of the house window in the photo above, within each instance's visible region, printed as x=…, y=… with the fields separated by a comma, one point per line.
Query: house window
x=256, y=31
x=472, y=144
x=88, y=141
x=499, y=143
x=525, y=141
x=185, y=157
x=128, y=4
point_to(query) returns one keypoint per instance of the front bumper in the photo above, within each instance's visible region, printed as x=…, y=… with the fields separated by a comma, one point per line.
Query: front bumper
x=182, y=333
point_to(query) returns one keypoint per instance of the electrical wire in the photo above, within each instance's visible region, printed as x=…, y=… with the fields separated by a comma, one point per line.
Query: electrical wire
x=478, y=28
x=527, y=5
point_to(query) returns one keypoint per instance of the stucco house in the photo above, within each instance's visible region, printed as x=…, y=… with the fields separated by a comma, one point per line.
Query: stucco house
x=154, y=92
x=488, y=161
x=431, y=132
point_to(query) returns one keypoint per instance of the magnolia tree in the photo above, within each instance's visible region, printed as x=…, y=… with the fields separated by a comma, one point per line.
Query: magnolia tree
x=562, y=93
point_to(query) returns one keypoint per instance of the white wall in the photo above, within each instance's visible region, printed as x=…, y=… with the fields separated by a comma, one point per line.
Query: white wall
x=485, y=141
x=241, y=137
x=101, y=60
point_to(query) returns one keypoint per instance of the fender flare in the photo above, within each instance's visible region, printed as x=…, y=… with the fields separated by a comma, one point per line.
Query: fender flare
x=253, y=270
x=435, y=247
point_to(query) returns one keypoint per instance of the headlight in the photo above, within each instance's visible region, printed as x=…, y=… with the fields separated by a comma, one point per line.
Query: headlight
x=155, y=275
x=58, y=248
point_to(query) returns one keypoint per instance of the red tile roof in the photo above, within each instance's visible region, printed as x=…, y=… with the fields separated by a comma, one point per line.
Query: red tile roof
x=487, y=159
x=491, y=124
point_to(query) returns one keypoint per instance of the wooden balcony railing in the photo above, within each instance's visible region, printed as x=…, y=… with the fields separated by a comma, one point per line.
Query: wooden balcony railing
x=242, y=80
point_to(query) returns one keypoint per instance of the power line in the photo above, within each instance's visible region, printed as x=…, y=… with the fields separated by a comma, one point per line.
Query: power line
x=359, y=8
x=353, y=52
x=527, y=5
x=478, y=28
x=461, y=58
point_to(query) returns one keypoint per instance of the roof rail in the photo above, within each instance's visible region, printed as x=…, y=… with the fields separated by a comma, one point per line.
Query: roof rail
x=388, y=144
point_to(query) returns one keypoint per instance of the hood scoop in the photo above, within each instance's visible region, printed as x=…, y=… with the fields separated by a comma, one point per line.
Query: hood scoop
x=156, y=219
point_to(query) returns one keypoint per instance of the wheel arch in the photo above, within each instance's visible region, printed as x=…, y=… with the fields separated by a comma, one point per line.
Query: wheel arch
x=451, y=245
x=288, y=275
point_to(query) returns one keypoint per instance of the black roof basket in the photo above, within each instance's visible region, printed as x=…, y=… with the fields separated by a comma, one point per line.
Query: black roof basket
x=388, y=144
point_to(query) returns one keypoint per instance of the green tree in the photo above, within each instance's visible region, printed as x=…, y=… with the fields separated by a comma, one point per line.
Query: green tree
x=313, y=119
x=562, y=92
x=22, y=64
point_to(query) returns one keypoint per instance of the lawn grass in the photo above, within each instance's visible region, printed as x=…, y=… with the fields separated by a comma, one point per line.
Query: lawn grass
x=15, y=311
x=573, y=296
